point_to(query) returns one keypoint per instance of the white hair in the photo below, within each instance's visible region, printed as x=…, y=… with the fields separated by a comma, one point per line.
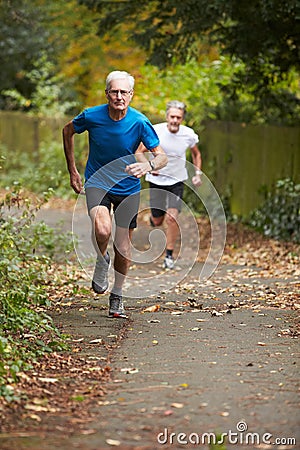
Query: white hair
x=176, y=104
x=119, y=75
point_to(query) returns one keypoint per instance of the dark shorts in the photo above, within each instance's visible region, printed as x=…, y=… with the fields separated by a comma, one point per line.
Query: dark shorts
x=165, y=197
x=125, y=207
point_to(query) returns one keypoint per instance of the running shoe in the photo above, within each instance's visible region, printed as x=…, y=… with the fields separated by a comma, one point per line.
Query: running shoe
x=169, y=262
x=116, y=308
x=100, y=277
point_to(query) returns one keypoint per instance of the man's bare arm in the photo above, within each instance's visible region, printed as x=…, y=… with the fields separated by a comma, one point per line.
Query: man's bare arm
x=143, y=165
x=197, y=161
x=68, y=141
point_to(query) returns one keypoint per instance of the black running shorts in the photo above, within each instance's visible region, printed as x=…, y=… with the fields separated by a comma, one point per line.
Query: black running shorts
x=125, y=207
x=164, y=197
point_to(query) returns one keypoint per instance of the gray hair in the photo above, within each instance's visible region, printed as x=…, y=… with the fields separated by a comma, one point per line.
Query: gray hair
x=176, y=104
x=119, y=75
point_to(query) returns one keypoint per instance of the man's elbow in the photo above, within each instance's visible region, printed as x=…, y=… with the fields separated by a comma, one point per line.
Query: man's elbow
x=65, y=131
x=68, y=130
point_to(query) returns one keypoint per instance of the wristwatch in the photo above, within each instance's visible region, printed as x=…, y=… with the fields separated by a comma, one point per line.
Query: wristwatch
x=152, y=165
x=198, y=172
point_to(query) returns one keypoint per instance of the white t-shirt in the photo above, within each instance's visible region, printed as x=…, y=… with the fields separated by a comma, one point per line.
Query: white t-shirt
x=175, y=146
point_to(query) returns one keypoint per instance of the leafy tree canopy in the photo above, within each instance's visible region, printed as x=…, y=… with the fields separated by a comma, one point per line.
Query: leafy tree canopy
x=257, y=31
x=23, y=39
x=52, y=56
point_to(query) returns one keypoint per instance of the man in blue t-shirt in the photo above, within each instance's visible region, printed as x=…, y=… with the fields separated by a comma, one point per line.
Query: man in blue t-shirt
x=112, y=176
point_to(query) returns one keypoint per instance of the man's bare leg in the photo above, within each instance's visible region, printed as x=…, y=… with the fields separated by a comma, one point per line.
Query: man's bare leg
x=172, y=234
x=101, y=231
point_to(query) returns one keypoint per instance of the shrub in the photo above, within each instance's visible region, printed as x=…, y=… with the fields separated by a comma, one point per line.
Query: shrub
x=27, y=249
x=279, y=215
x=46, y=170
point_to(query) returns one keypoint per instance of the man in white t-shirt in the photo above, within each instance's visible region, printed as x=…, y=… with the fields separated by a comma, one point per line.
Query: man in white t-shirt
x=166, y=185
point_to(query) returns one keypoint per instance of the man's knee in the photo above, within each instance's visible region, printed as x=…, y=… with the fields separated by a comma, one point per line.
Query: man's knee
x=102, y=231
x=101, y=221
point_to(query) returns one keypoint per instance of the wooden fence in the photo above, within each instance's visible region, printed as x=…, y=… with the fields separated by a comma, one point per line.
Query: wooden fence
x=239, y=159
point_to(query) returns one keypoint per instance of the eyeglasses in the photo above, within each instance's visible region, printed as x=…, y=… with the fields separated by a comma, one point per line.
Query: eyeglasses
x=115, y=92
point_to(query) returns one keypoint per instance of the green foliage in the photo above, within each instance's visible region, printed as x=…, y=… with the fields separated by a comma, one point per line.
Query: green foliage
x=261, y=35
x=257, y=31
x=27, y=248
x=199, y=85
x=40, y=172
x=276, y=103
x=256, y=79
x=23, y=37
x=220, y=443
x=206, y=88
x=49, y=96
x=279, y=215
x=34, y=35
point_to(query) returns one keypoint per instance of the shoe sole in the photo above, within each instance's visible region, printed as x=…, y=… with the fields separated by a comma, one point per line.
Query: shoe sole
x=166, y=267
x=117, y=316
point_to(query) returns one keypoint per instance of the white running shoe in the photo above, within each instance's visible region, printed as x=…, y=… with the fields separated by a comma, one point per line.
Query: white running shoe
x=169, y=262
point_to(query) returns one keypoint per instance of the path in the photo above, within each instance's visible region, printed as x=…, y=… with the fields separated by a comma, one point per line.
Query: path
x=209, y=360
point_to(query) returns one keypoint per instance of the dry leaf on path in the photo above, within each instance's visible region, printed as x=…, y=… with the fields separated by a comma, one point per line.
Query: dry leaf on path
x=96, y=341
x=130, y=370
x=113, y=442
x=153, y=308
x=177, y=405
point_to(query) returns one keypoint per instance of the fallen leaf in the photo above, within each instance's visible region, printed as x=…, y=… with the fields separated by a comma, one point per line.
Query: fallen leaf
x=87, y=432
x=177, y=405
x=96, y=341
x=48, y=380
x=35, y=417
x=216, y=313
x=153, y=308
x=39, y=408
x=113, y=442
x=129, y=370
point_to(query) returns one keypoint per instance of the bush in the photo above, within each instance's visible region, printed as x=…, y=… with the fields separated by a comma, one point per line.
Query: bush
x=27, y=249
x=213, y=91
x=279, y=215
x=46, y=170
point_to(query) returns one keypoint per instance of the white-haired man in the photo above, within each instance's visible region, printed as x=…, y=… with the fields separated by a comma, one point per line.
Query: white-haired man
x=112, y=177
x=167, y=184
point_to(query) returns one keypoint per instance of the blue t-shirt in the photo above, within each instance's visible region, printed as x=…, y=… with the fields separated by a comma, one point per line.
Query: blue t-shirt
x=112, y=145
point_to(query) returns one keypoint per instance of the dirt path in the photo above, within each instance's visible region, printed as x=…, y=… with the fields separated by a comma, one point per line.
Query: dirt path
x=218, y=356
